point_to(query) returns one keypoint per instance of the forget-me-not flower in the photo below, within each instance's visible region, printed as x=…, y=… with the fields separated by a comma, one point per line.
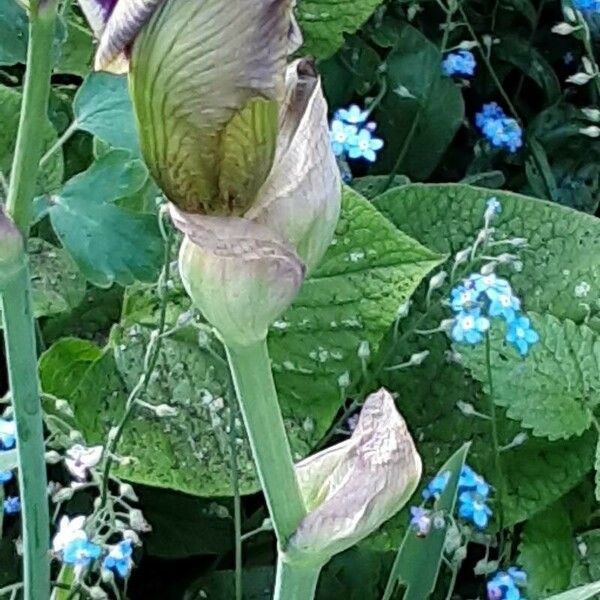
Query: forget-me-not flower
x=436, y=486
x=469, y=326
x=469, y=480
x=5, y=476
x=587, y=6
x=69, y=530
x=118, y=560
x=499, y=129
x=364, y=145
x=463, y=298
x=12, y=505
x=521, y=335
x=420, y=520
x=459, y=63
x=504, y=585
x=472, y=507
x=340, y=135
x=503, y=304
x=80, y=553
x=8, y=432
x=353, y=115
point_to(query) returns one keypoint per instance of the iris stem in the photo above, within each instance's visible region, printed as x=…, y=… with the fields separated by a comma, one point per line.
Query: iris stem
x=251, y=371
x=17, y=313
x=295, y=582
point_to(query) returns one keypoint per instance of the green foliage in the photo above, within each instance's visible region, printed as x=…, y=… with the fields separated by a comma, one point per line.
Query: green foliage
x=108, y=243
x=418, y=560
x=446, y=219
x=324, y=22
x=103, y=108
x=422, y=107
x=586, y=558
x=352, y=297
x=581, y=593
x=50, y=177
x=554, y=391
x=546, y=552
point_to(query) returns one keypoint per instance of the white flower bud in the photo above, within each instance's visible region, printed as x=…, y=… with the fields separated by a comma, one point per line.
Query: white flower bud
x=138, y=522
x=579, y=78
x=52, y=457
x=64, y=407
x=97, y=593
x=63, y=495
x=569, y=13
x=418, y=358
x=437, y=281
x=164, y=410
x=462, y=256
x=488, y=268
x=364, y=350
x=563, y=29
x=403, y=310
x=132, y=536
x=588, y=66
x=344, y=380
x=593, y=114
x=127, y=491
x=352, y=488
x=592, y=131
x=467, y=45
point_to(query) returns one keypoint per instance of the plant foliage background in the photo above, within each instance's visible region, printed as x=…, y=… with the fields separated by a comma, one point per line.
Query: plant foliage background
x=97, y=252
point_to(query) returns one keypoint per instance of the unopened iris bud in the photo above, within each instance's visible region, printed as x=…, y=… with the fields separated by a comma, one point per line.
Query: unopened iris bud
x=354, y=487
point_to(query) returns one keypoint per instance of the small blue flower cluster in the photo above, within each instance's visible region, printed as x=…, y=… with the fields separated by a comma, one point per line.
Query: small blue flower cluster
x=72, y=545
x=481, y=297
x=8, y=440
x=352, y=136
x=506, y=585
x=499, y=129
x=587, y=6
x=459, y=63
x=473, y=492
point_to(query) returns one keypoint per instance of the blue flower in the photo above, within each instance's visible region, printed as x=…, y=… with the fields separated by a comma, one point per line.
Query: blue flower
x=459, y=63
x=463, y=298
x=80, y=553
x=436, y=486
x=8, y=434
x=472, y=507
x=469, y=326
x=503, y=304
x=12, y=505
x=587, y=5
x=521, y=335
x=118, y=559
x=489, y=111
x=420, y=520
x=340, y=133
x=493, y=206
x=505, y=585
x=568, y=58
x=5, y=476
x=499, y=129
x=353, y=115
x=488, y=284
x=469, y=480
x=364, y=145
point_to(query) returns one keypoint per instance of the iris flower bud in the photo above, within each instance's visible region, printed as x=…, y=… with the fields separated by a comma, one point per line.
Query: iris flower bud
x=354, y=487
x=237, y=139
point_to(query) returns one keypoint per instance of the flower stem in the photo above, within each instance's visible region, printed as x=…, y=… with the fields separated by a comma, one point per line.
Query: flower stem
x=296, y=582
x=255, y=389
x=36, y=91
x=17, y=313
x=19, y=338
x=495, y=439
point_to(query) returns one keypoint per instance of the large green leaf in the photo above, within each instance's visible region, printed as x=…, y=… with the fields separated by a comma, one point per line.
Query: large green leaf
x=103, y=107
x=546, y=552
x=591, y=590
x=554, y=390
x=369, y=270
x=418, y=560
x=446, y=218
x=108, y=243
x=50, y=177
x=422, y=109
x=324, y=22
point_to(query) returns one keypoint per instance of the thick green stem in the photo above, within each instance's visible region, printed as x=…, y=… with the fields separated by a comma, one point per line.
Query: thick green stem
x=295, y=582
x=255, y=388
x=28, y=147
x=19, y=338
